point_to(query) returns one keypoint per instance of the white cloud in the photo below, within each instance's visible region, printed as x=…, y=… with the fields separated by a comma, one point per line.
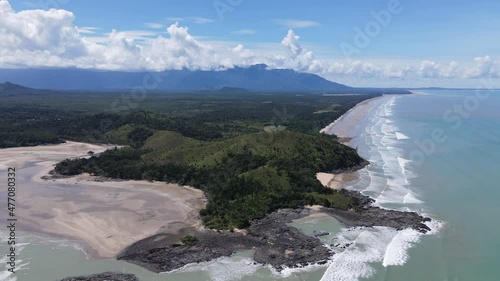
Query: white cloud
x=429, y=69
x=299, y=58
x=180, y=51
x=51, y=32
x=139, y=34
x=87, y=30
x=198, y=20
x=294, y=23
x=243, y=56
x=175, y=19
x=485, y=67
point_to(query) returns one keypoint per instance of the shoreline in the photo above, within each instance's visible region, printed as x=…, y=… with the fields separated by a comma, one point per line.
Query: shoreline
x=328, y=129
x=275, y=242
x=103, y=216
x=337, y=180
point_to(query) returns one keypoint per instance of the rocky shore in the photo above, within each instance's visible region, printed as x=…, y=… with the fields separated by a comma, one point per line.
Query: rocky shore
x=370, y=216
x=273, y=241
x=107, y=276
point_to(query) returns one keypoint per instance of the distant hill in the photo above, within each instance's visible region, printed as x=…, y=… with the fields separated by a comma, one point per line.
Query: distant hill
x=254, y=78
x=9, y=88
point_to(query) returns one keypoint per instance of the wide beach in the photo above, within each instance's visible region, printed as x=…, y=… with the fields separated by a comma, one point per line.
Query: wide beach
x=105, y=215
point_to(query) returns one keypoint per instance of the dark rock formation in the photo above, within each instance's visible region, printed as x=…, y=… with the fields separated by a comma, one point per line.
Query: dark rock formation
x=274, y=242
x=107, y=276
x=369, y=216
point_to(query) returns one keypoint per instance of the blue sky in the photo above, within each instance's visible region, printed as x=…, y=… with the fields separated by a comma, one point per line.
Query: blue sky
x=425, y=43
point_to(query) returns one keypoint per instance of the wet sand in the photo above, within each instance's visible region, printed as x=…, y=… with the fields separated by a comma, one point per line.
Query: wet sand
x=345, y=129
x=106, y=216
x=344, y=126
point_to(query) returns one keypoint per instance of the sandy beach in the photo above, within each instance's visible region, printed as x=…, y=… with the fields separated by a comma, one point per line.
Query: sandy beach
x=106, y=216
x=335, y=181
x=344, y=128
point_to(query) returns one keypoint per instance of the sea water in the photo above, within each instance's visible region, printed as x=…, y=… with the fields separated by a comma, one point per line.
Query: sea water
x=437, y=153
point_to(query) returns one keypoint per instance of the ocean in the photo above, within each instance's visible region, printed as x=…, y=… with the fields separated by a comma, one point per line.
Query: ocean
x=435, y=152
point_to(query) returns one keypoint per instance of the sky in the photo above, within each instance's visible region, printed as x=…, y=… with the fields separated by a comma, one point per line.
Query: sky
x=379, y=43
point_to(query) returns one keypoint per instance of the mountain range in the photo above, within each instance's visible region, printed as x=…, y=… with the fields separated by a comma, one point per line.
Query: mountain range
x=254, y=78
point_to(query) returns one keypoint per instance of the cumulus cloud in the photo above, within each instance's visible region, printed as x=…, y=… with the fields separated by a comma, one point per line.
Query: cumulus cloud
x=181, y=50
x=245, y=54
x=485, y=68
x=299, y=57
x=39, y=38
x=40, y=31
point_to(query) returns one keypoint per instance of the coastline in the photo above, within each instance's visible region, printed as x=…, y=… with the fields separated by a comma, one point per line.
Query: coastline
x=159, y=249
x=273, y=241
x=329, y=128
x=338, y=180
x=104, y=216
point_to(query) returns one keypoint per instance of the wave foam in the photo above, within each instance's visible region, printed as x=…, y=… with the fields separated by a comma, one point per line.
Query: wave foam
x=224, y=269
x=7, y=276
x=401, y=136
x=411, y=199
x=397, y=251
x=354, y=262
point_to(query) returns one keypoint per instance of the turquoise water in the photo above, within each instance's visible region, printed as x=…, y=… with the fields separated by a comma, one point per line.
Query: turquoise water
x=424, y=157
x=437, y=153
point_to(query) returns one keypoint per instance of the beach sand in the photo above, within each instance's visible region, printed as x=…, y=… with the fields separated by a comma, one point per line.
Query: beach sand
x=106, y=216
x=345, y=129
x=336, y=181
x=345, y=126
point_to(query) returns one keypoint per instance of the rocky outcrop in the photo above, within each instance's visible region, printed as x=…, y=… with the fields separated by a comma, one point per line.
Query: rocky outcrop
x=107, y=276
x=273, y=241
x=369, y=216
